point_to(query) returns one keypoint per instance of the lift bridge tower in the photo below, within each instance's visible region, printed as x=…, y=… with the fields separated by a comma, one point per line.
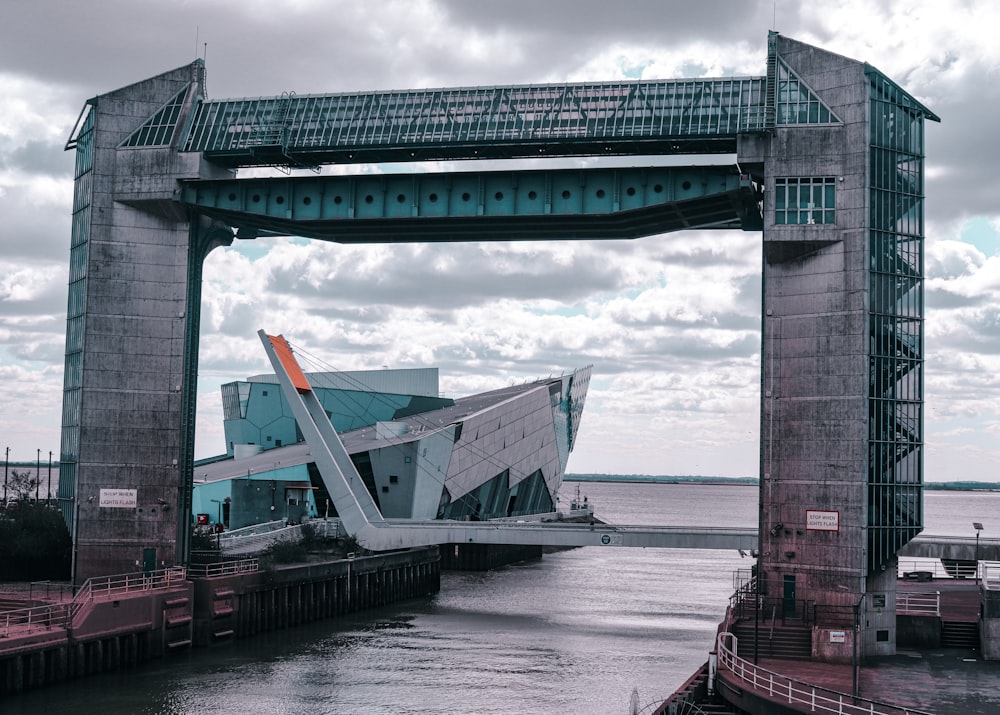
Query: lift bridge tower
x=822, y=154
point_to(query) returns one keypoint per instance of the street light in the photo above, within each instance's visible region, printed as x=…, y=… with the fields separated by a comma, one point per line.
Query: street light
x=978, y=526
x=38, y=473
x=6, y=464
x=855, y=685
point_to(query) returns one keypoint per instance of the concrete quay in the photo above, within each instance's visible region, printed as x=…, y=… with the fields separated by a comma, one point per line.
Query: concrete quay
x=928, y=673
x=118, y=621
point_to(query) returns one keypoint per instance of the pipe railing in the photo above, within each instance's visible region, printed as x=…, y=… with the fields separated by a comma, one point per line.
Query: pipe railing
x=104, y=587
x=28, y=620
x=808, y=697
x=925, y=604
x=225, y=568
x=63, y=615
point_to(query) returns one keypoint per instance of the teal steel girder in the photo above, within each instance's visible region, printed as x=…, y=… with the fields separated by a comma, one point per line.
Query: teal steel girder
x=685, y=116
x=482, y=206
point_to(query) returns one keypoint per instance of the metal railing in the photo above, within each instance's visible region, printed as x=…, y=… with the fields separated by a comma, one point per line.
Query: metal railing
x=810, y=698
x=250, y=543
x=64, y=615
x=259, y=536
x=44, y=590
x=774, y=610
x=927, y=567
x=104, y=587
x=833, y=616
x=225, y=568
x=28, y=620
x=924, y=604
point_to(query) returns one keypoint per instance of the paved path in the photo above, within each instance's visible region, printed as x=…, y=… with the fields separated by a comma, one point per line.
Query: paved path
x=945, y=681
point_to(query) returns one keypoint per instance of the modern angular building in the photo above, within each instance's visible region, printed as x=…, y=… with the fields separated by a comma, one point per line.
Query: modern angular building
x=497, y=454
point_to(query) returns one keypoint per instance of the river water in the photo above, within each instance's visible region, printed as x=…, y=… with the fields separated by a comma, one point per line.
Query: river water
x=574, y=632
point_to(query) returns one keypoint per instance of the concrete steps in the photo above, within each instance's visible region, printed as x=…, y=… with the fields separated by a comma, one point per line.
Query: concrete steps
x=790, y=641
x=955, y=634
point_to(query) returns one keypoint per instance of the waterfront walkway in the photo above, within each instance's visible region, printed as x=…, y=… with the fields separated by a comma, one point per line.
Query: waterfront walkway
x=945, y=681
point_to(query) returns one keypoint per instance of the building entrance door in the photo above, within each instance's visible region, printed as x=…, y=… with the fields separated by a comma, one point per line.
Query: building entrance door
x=788, y=601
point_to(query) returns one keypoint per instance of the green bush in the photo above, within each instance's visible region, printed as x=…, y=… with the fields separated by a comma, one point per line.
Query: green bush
x=286, y=552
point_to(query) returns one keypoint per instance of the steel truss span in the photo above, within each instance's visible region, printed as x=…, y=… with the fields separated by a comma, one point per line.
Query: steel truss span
x=702, y=116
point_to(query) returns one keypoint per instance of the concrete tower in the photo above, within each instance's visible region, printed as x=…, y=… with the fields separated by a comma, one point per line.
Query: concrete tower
x=841, y=343
x=131, y=333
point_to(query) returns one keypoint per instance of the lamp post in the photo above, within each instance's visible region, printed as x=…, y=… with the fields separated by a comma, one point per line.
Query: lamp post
x=6, y=464
x=854, y=657
x=978, y=526
x=49, y=499
x=38, y=472
x=756, y=611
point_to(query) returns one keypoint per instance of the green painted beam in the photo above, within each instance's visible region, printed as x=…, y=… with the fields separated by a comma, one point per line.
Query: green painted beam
x=498, y=205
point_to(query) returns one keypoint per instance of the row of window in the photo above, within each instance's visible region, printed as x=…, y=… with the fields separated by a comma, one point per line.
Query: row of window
x=805, y=200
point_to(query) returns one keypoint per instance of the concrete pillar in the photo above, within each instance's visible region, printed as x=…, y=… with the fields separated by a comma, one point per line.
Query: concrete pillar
x=132, y=329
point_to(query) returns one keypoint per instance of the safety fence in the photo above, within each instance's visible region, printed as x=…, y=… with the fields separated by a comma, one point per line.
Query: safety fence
x=23, y=621
x=921, y=604
x=798, y=694
x=225, y=568
x=106, y=587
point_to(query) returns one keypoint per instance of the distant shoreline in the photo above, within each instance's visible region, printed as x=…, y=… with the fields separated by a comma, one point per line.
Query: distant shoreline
x=750, y=481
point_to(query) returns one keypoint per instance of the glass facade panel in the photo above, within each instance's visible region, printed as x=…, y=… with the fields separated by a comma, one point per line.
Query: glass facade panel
x=796, y=103
x=83, y=189
x=895, y=477
x=158, y=130
x=806, y=200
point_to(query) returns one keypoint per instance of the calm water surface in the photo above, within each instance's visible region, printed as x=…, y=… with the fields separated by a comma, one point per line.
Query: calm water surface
x=574, y=632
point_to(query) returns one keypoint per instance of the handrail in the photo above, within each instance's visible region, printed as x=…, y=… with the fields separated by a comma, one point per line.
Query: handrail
x=796, y=692
x=63, y=615
x=263, y=528
x=27, y=620
x=108, y=586
x=225, y=568
x=923, y=603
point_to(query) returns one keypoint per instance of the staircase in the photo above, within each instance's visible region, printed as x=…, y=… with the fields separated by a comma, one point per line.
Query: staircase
x=788, y=641
x=956, y=634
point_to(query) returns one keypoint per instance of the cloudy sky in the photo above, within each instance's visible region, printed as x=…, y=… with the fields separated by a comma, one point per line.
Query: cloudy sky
x=670, y=323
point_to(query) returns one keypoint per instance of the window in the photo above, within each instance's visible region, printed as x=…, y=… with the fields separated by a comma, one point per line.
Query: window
x=795, y=103
x=805, y=200
x=393, y=479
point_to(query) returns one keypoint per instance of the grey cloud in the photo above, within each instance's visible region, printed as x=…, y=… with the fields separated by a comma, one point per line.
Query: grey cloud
x=413, y=279
x=38, y=157
x=589, y=22
x=941, y=299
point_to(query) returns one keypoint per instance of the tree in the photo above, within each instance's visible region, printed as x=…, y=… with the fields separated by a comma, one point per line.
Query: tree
x=34, y=544
x=22, y=485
